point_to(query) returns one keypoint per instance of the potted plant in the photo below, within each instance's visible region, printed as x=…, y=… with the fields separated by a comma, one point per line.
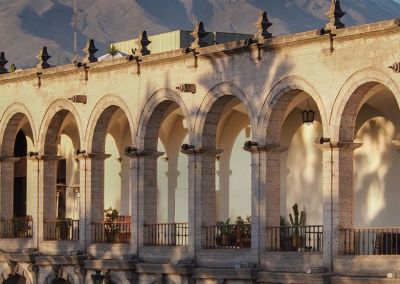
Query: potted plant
x=111, y=227
x=297, y=220
x=243, y=232
x=224, y=237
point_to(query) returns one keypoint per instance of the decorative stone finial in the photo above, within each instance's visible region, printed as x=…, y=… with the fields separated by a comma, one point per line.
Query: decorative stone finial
x=263, y=24
x=335, y=13
x=199, y=34
x=90, y=49
x=142, y=43
x=3, y=62
x=43, y=57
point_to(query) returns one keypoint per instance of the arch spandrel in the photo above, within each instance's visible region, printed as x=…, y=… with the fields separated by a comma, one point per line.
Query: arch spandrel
x=270, y=120
x=19, y=111
x=154, y=101
x=18, y=270
x=347, y=103
x=218, y=92
x=52, y=111
x=108, y=103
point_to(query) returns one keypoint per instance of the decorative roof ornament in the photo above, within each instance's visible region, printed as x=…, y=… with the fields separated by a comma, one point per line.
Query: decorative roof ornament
x=199, y=34
x=263, y=24
x=90, y=50
x=335, y=13
x=3, y=62
x=142, y=43
x=43, y=57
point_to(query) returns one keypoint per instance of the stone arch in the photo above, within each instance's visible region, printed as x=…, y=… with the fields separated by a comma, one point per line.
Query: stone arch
x=60, y=274
x=211, y=108
x=275, y=106
x=51, y=124
x=11, y=119
x=100, y=119
x=16, y=270
x=350, y=98
x=152, y=114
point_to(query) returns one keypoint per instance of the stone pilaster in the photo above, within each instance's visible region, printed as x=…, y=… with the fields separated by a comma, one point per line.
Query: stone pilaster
x=7, y=186
x=144, y=193
x=201, y=194
x=91, y=208
x=265, y=188
x=46, y=187
x=338, y=192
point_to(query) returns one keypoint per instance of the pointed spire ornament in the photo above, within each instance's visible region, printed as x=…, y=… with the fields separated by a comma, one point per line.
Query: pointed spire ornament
x=43, y=57
x=3, y=62
x=89, y=50
x=142, y=43
x=199, y=34
x=335, y=13
x=263, y=24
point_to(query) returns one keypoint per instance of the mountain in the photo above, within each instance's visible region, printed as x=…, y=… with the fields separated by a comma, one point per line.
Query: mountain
x=28, y=24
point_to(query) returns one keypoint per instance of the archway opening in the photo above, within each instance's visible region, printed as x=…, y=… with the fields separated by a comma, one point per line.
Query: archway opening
x=61, y=172
x=15, y=279
x=371, y=120
x=111, y=178
x=226, y=171
x=17, y=205
x=294, y=175
x=165, y=132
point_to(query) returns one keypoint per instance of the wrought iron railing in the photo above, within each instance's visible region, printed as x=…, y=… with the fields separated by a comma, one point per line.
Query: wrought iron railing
x=296, y=238
x=227, y=236
x=168, y=234
x=16, y=228
x=61, y=230
x=370, y=241
x=112, y=232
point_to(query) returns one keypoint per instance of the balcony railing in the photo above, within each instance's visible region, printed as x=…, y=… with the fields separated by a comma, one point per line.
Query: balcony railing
x=112, y=232
x=61, y=230
x=173, y=234
x=370, y=241
x=301, y=238
x=227, y=237
x=16, y=228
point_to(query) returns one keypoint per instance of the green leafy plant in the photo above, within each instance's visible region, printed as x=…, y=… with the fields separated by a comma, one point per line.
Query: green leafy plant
x=13, y=68
x=243, y=231
x=297, y=220
x=112, y=50
x=111, y=227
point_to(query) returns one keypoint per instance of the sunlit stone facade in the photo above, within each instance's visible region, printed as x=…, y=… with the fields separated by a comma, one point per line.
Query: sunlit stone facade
x=63, y=162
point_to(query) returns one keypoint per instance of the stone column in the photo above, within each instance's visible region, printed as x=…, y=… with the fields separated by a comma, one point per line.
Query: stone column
x=265, y=188
x=338, y=192
x=144, y=193
x=201, y=194
x=91, y=207
x=45, y=186
x=7, y=187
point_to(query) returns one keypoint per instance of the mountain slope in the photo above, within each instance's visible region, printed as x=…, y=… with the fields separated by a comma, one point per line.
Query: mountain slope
x=29, y=24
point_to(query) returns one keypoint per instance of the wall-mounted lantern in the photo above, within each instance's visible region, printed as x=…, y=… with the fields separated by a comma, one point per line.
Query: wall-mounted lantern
x=187, y=88
x=308, y=114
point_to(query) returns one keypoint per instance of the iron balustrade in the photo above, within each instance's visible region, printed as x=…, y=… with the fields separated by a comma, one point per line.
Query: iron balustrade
x=370, y=241
x=227, y=236
x=168, y=234
x=61, y=230
x=16, y=228
x=291, y=238
x=112, y=232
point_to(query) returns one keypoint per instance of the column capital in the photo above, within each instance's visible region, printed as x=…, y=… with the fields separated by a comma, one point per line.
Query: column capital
x=93, y=156
x=143, y=153
x=339, y=145
x=45, y=158
x=201, y=151
x=265, y=148
x=9, y=159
